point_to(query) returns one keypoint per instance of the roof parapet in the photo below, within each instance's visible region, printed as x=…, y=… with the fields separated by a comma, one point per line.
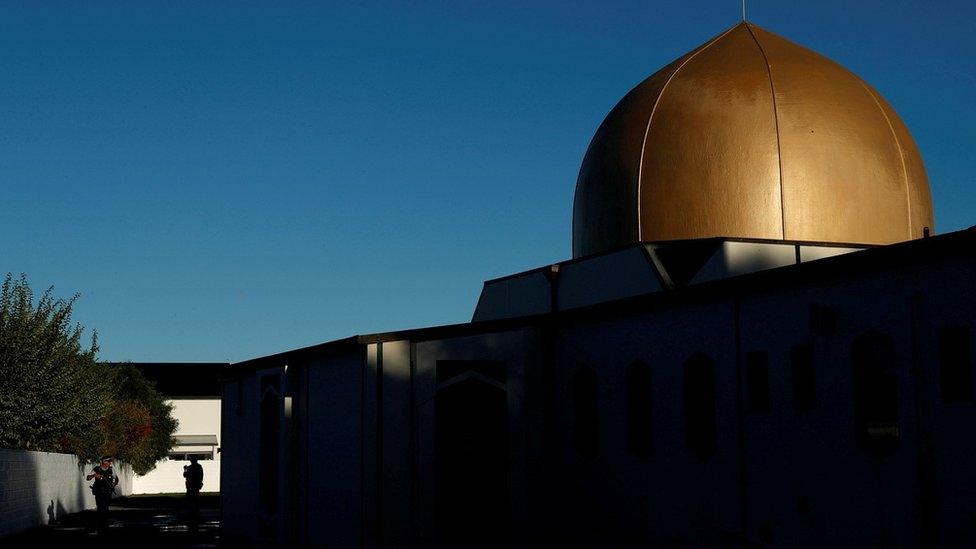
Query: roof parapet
x=640, y=269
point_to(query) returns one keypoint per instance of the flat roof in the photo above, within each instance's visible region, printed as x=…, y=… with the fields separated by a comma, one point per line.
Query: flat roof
x=958, y=243
x=183, y=379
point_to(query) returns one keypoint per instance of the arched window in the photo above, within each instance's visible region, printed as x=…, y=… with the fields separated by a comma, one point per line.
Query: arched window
x=875, y=394
x=699, y=393
x=640, y=427
x=586, y=413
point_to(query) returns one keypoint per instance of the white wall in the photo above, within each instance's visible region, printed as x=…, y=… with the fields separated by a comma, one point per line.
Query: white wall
x=167, y=478
x=196, y=416
x=37, y=488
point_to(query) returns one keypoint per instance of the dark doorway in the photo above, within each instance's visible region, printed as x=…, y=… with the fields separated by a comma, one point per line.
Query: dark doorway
x=471, y=442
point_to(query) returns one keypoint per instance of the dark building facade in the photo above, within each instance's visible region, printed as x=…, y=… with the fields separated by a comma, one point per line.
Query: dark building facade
x=757, y=343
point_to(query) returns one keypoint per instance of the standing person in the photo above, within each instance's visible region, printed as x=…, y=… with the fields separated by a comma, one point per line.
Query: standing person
x=193, y=473
x=103, y=487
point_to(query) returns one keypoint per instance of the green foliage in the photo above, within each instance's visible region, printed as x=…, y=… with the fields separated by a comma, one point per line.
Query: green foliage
x=55, y=396
x=138, y=427
x=49, y=387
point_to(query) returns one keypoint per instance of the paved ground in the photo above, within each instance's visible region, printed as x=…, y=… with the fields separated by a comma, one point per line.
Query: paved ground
x=140, y=522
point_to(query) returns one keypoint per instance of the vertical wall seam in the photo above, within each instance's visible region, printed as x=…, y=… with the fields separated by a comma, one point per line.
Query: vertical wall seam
x=306, y=441
x=650, y=118
x=779, y=147
x=363, y=515
x=901, y=155
x=414, y=446
x=379, y=445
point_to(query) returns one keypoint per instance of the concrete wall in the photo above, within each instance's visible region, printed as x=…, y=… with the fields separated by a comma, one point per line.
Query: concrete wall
x=809, y=485
x=197, y=416
x=617, y=497
x=37, y=488
x=802, y=480
x=528, y=294
x=947, y=480
x=334, y=507
x=238, y=495
x=605, y=278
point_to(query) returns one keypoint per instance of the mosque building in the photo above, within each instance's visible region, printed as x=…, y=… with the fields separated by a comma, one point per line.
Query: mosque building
x=759, y=341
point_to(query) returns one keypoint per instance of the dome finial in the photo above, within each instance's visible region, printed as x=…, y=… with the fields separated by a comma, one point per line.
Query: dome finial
x=743, y=11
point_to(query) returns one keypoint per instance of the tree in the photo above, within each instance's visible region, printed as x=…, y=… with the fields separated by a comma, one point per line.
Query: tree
x=138, y=426
x=49, y=387
x=55, y=396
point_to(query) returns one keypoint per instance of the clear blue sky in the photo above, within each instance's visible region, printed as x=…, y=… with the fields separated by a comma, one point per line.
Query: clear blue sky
x=227, y=180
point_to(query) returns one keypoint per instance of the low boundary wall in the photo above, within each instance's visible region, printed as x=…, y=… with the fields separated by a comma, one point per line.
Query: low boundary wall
x=38, y=488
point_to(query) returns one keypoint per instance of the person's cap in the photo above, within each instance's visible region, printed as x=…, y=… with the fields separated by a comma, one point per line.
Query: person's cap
x=106, y=458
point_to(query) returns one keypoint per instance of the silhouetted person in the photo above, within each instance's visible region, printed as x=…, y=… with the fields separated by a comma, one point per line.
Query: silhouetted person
x=103, y=488
x=193, y=473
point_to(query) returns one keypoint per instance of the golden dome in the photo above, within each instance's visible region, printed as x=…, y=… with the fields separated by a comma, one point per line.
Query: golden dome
x=751, y=135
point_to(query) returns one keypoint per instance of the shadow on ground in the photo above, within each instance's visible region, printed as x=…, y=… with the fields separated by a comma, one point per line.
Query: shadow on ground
x=136, y=521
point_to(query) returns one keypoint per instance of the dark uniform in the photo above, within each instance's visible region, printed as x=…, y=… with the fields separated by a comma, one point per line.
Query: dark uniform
x=103, y=488
x=193, y=474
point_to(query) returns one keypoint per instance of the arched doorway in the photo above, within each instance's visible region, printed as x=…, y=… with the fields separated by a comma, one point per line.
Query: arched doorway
x=473, y=493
